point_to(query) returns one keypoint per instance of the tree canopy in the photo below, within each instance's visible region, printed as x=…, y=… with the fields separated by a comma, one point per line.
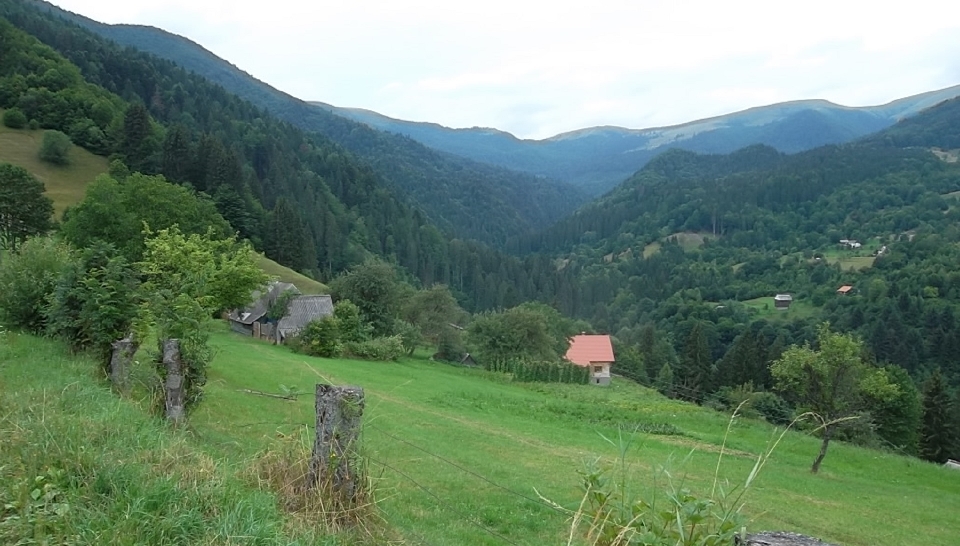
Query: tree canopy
x=831, y=381
x=24, y=209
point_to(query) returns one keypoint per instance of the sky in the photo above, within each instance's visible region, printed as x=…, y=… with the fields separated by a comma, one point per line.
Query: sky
x=537, y=69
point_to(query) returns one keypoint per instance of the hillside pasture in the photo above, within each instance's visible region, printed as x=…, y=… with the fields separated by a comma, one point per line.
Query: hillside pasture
x=64, y=184
x=285, y=274
x=765, y=308
x=688, y=241
x=460, y=455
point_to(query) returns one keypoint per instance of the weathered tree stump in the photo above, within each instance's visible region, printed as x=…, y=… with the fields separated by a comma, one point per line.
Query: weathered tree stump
x=120, y=359
x=174, y=387
x=339, y=413
x=780, y=538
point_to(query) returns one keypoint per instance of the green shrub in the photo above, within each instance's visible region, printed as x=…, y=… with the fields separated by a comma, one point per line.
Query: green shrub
x=14, y=118
x=28, y=279
x=380, y=348
x=55, y=148
x=756, y=404
x=95, y=302
x=319, y=338
x=542, y=371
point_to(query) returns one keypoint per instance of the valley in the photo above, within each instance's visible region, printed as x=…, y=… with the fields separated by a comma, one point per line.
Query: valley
x=714, y=254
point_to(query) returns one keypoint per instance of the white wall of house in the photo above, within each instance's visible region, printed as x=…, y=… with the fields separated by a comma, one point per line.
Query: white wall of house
x=600, y=373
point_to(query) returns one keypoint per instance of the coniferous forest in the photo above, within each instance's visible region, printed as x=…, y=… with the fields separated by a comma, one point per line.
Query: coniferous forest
x=680, y=262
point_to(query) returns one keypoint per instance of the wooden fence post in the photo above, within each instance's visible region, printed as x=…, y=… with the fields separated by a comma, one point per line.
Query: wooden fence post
x=120, y=359
x=339, y=412
x=174, y=385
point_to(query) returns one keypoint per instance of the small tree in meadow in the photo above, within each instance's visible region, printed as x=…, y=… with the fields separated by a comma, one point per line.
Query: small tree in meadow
x=832, y=382
x=55, y=148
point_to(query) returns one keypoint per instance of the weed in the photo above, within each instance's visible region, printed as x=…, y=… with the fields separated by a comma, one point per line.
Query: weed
x=284, y=470
x=612, y=512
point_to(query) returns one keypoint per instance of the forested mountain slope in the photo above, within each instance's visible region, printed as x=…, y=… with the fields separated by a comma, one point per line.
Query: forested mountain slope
x=598, y=158
x=464, y=197
x=696, y=246
x=303, y=199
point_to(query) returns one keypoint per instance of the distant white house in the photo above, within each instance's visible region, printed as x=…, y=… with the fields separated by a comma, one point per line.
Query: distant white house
x=850, y=243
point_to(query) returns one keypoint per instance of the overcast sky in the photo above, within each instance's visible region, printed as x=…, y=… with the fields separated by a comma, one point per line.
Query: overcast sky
x=536, y=68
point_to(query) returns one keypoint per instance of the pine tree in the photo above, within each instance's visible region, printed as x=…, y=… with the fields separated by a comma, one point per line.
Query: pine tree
x=936, y=434
x=664, y=380
x=695, y=373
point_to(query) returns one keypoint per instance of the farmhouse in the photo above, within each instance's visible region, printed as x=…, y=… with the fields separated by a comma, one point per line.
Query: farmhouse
x=251, y=319
x=845, y=290
x=782, y=301
x=595, y=352
x=301, y=311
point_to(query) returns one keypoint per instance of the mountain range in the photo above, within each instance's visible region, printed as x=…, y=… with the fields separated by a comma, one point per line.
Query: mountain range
x=549, y=177
x=598, y=158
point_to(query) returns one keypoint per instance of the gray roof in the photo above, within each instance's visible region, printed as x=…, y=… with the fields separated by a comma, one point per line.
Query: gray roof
x=303, y=309
x=261, y=302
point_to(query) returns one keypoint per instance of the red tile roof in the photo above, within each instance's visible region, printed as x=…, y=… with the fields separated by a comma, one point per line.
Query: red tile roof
x=585, y=349
x=844, y=289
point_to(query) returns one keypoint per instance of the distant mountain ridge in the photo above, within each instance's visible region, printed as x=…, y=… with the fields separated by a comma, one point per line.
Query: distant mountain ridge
x=598, y=158
x=466, y=198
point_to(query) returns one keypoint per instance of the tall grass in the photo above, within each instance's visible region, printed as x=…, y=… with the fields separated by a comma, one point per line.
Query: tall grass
x=80, y=466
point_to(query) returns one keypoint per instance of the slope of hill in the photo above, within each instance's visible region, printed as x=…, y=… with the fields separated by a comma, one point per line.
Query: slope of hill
x=598, y=158
x=771, y=224
x=65, y=185
x=465, y=197
x=433, y=429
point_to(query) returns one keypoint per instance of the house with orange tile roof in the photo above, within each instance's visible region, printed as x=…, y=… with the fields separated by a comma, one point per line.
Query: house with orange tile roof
x=845, y=289
x=595, y=352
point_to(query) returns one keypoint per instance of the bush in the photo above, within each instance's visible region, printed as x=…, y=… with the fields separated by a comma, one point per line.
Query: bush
x=28, y=279
x=94, y=303
x=319, y=338
x=55, y=148
x=14, y=118
x=542, y=371
x=761, y=404
x=380, y=348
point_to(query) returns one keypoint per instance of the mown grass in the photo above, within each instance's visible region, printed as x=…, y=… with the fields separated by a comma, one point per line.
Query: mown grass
x=65, y=185
x=764, y=307
x=78, y=465
x=285, y=274
x=456, y=449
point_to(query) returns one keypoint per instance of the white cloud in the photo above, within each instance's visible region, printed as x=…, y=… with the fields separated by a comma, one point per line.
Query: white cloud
x=539, y=68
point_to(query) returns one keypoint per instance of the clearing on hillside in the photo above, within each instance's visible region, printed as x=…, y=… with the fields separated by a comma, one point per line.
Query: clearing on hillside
x=688, y=240
x=306, y=285
x=65, y=185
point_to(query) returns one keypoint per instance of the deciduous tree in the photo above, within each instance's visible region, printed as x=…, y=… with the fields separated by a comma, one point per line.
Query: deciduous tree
x=24, y=209
x=831, y=381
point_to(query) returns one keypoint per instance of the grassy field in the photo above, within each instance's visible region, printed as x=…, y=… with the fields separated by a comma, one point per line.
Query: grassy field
x=455, y=448
x=458, y=455
x=766, y=309
x=285, y=274
x=65, y=185
x=852, y=260
x=80, y=466
x=687, y=240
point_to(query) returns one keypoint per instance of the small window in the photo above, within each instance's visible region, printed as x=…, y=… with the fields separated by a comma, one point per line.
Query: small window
x=597, y=369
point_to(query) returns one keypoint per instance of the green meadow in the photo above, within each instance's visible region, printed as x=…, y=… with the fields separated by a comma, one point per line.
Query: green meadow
x=456, y=449
x=65, y=184
x=458, y=456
